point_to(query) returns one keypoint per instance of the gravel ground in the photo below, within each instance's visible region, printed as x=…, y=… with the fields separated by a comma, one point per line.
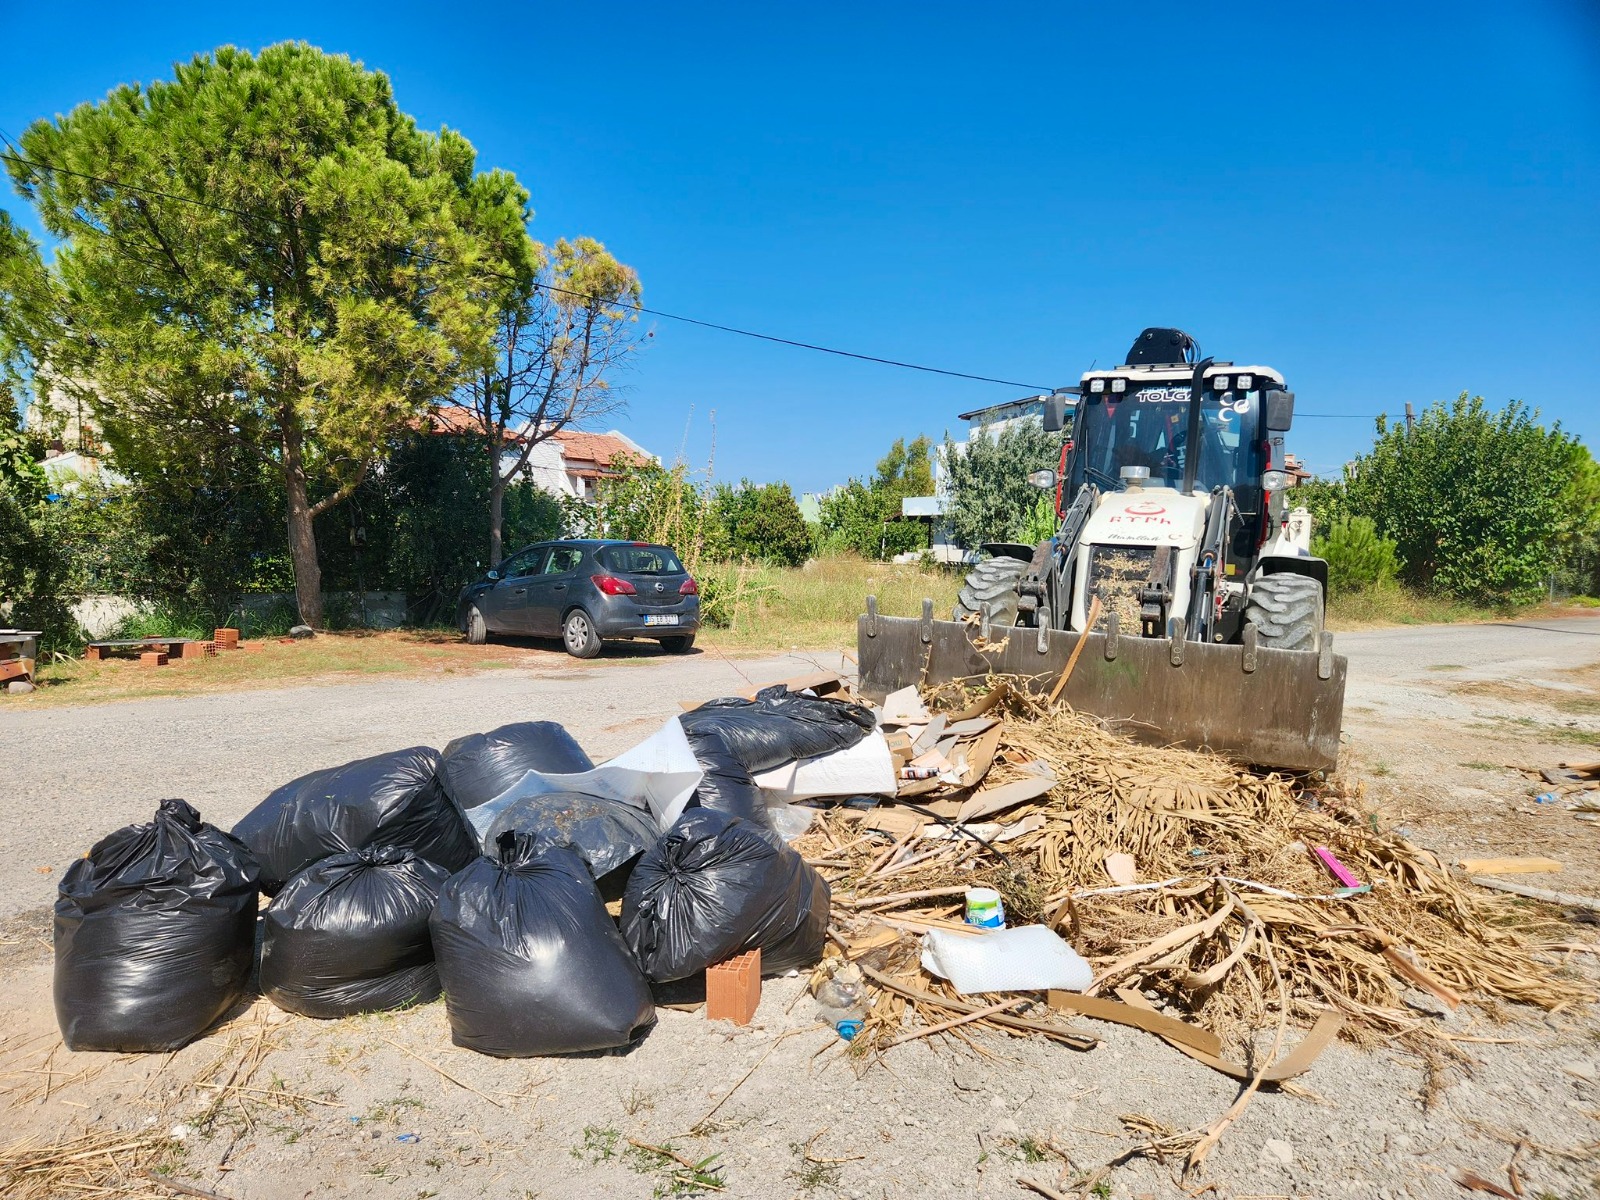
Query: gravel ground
x=795, y=1118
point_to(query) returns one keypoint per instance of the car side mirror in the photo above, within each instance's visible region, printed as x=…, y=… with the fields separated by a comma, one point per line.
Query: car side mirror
x=1279, y=410
x=1055, y=413
x=491, y=576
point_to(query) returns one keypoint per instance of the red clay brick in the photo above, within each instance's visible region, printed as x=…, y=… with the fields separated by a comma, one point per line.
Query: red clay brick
x=733, y=988
x=153, y=658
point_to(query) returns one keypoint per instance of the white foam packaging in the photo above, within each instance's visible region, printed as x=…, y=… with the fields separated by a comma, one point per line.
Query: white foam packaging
x=1029, y=958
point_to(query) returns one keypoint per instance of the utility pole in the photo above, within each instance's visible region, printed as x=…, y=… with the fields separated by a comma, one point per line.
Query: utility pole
x=1411, y=417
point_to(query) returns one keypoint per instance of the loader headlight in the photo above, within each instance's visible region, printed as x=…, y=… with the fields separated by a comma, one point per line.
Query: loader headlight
x=1275, y=481
x=1044, y=480
x=1246, y=382
x=1097, y=386
x=1119, y=386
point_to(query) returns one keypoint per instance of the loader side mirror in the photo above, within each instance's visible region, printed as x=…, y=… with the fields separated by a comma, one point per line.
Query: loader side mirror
x=1055, y=413
x=1279, y=410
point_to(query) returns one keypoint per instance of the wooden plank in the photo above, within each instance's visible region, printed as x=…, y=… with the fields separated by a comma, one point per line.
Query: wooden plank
x=15, y=668
x=1527, y=865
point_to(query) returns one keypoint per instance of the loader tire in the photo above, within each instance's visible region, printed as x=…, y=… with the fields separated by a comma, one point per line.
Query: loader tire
x=991, y=589
x=1287, y=612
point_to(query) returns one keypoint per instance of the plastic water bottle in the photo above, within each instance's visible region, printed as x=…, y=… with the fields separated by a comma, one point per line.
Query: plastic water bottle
x=1545, y=798
x=847, y=1021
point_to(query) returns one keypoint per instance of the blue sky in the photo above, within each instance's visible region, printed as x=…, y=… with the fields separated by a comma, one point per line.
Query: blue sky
x=1387, y=202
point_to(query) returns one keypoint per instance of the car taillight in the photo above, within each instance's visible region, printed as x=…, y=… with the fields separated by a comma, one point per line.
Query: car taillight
x=612, y=586
x=689, y=588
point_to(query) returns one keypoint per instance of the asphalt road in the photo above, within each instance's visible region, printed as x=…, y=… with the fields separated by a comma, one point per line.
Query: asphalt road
x=76, y=773
x=1500, y=649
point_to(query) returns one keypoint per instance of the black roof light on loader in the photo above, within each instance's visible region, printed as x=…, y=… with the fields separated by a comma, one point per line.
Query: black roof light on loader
x=1176, y=533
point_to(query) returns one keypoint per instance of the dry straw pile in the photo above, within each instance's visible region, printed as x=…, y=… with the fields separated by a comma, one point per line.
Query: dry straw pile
x=1229, y=919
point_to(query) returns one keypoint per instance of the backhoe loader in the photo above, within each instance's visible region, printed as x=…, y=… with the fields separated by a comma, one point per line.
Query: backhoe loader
x=1178, y=564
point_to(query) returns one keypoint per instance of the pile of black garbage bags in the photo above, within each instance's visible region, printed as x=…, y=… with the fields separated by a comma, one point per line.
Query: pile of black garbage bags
x=382, y=897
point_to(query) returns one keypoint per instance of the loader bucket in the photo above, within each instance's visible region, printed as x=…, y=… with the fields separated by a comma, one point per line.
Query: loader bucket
x=1266, y=707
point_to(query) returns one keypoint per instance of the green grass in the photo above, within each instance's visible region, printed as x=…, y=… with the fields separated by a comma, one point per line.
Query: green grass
x=1481, y=766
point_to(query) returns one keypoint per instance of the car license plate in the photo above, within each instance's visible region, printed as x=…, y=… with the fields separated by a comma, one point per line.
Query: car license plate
x=661, y=619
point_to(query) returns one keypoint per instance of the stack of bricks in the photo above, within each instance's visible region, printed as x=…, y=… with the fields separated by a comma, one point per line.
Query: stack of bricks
x=733, y=988
x=226, y=639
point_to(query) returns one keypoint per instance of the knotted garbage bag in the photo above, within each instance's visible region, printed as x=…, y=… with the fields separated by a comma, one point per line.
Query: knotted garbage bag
x=154, y=934
x=715, y=886
x=530, y=961
x=476, y=768
x=386, y=800
x=349, y=934
x=609, y=835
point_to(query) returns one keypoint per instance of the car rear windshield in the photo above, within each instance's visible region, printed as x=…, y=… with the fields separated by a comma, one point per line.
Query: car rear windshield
x=640, y=560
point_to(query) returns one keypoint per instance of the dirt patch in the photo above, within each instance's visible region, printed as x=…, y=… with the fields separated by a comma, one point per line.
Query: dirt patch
x=327, y=658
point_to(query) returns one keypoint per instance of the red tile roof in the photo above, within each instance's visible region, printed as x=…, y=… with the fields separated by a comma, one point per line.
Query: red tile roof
x=601, y=449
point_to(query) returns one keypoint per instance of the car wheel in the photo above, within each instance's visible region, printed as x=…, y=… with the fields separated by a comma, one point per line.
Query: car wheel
x=578, y=635
x=477, y=628
x=678, y=645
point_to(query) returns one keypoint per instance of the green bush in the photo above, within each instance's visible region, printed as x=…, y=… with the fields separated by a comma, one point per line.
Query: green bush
x=991, y=499
x=863, y=517
x=763, y=523
x=1358, y=557
x=1474, y=499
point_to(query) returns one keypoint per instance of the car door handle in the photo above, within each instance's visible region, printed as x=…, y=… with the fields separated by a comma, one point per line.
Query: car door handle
x=560, y=587
x=518, y=591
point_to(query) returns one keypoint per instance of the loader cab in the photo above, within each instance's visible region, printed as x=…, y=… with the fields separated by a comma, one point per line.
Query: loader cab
x=1139, y=417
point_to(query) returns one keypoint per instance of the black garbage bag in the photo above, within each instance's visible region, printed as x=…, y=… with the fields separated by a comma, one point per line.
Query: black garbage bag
x=727, y=784
x=349, y=934
x=154, y=934
x=478, y=767
x=714, y=887
x=530, y=961
x=386, y=800
x=779, y=726
x=607, y=834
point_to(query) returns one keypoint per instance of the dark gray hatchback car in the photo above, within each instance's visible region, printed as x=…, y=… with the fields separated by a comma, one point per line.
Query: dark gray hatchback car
x=585, y=592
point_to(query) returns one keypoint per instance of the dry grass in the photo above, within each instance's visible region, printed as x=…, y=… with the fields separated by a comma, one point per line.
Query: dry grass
x=815, y=607
x=1243, y=903
x=329, y=657
x=1392, y=604
x=91, y=1163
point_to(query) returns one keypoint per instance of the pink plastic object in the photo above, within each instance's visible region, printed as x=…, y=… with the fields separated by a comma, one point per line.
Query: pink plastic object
x=1336, y=868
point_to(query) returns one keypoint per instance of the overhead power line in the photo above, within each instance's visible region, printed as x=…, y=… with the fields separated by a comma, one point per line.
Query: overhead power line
x=549, y=287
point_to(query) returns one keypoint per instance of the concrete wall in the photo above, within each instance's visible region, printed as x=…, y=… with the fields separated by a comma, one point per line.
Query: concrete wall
x=99, y=615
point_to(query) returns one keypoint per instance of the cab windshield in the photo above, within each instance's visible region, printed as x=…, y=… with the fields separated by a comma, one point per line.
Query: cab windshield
x=1149, y=427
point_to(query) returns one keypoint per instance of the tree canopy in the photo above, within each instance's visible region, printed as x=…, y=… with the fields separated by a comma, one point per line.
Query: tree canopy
x=864, y=516
x=989, y=496
x=763, y=522
x=266, y=252
x=1476, y=501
